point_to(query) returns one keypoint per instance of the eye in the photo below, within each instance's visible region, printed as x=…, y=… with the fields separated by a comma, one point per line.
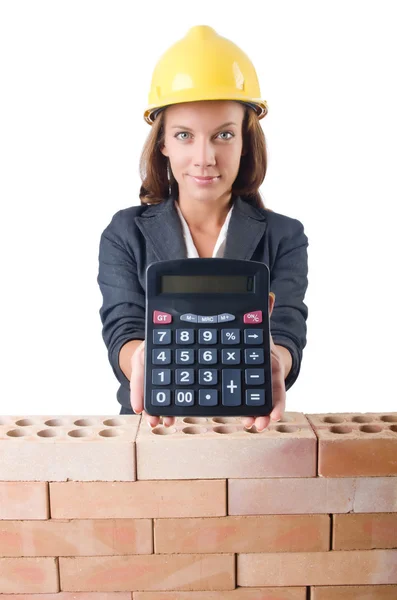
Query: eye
x=227, y=132
x=180, y=133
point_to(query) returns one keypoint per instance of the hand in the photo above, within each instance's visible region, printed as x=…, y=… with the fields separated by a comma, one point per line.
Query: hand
x=278, y=385
x=137, y=386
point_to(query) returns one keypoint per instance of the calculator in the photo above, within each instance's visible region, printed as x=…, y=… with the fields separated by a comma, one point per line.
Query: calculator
x=207, y=350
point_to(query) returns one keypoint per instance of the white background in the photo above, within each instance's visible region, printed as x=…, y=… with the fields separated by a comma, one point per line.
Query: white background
x=74, y=80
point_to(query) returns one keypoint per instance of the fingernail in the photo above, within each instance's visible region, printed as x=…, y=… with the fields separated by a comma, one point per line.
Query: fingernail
x=276, y=419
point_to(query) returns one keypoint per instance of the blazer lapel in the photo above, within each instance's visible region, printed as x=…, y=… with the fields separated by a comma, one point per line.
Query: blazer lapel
x=247, y=226
x=162, y=228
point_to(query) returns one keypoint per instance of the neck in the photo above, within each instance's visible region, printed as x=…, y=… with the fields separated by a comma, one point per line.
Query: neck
x=203, y=216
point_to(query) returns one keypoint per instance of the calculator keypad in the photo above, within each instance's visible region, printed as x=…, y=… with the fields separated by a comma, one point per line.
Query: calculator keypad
x=229, y=367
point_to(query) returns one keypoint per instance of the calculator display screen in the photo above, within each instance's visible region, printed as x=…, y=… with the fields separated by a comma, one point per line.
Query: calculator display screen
x=206, y=284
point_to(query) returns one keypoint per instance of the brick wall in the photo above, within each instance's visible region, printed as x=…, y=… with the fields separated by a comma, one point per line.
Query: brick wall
x=104, y=508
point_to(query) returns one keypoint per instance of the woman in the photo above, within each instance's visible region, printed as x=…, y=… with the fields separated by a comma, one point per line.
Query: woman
x=204, y=110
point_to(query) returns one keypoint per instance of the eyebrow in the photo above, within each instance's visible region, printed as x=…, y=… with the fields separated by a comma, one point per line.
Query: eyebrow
x=219, y=127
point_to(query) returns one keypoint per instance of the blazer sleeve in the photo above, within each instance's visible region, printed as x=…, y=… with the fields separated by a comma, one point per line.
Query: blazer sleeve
x=289, y=282
x=123, y=300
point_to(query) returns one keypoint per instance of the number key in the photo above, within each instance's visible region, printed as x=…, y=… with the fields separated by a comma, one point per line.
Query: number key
x=185, y=336
x=184, y=357
x=184, y=376
x=161, y=376
x=162, y=336
x=208, y=376
x=161, y=357
x=208, y=357
x=207, y=336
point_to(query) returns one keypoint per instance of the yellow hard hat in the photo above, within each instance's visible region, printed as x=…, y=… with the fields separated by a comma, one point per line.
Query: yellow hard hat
x=203, y=66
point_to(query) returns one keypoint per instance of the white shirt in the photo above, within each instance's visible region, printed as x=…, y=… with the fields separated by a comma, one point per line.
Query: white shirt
x=219, y=248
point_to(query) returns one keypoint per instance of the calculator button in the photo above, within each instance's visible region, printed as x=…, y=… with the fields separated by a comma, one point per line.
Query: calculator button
x=255, y=397
x=208, y=376
x=208, y=336
x=161, y=356
x=185, y=336
x=255, y=376
x=162, y=336
x=205, y=319
x=184, y=376
x=231, y=387
x=161, y=318
x=189, y=317
x=184, y=357
x=161, y=397
x=253, y=336
x=230, y=336
x=253, y=317
x=225, y=317
x=254, y=356
x=231, y=356
x=209, y=357
x=184, y=397
x=208, y=397
x=161, y=376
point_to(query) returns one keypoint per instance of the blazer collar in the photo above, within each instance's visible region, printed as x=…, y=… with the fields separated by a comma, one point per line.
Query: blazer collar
x=161, y=226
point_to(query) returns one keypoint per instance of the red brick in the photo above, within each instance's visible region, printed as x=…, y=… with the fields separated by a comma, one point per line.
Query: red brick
x=318, y=568
x=270, y=593
x=72, y=596
x=207, y=448
x=284, y=533
x=356, y=444
x=76, y=538
x=28, y=575
x=20, y=500
x=364, y=532
x=154, y=572
x=79, y=448
x=312, y=495
x=354, y=592
x=138, y=499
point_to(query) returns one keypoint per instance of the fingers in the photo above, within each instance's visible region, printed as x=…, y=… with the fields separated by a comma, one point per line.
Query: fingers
x=278, y=391
x=137, y=388
x=261, y=423
x=152, y=420
x=248, y=421
x=137, y=378
x=279, y=397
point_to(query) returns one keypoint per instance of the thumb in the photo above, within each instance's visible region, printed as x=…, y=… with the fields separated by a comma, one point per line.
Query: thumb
x=271, y=303
x=137, y=379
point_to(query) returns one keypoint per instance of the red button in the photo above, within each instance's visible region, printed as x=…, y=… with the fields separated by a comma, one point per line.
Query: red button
x=161, y=318
x=253, y=317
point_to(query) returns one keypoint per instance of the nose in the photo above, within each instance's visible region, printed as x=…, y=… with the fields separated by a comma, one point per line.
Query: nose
x=204, y=155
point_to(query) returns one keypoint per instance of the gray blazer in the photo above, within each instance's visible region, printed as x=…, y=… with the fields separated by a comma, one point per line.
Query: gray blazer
x=140, y=235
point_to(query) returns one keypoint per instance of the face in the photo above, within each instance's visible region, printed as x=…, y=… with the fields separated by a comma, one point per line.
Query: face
x=197, y=145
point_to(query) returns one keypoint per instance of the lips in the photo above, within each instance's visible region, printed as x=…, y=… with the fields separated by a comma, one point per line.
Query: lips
x=205, y=178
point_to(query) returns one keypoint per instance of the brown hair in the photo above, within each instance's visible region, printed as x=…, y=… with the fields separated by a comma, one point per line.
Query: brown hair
x=253, y=164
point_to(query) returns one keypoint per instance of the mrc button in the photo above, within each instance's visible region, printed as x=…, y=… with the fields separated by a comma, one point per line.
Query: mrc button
x=161, y=318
